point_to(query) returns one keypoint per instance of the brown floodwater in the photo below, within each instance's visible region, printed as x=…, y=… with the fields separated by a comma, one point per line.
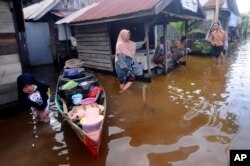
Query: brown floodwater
x=192, y=116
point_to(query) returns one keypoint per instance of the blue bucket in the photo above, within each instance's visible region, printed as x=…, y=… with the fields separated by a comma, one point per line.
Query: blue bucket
x=76, y=99
x=138, y=69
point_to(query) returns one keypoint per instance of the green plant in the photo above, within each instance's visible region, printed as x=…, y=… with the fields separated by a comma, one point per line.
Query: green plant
x=204, y=46
x=197, y=33
x=180, y=26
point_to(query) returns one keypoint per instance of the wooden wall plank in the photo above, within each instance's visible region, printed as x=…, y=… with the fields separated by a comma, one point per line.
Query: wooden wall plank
x=10, y=78
x=94, y=47
x=7, y=27
x=6, y=17
x=8, y=49
x=93, y=59
x=97, y=64
x=5, y=88
x=91, y=29
x=91, y=43
x=93, y=51
x=6, y=23
x=101, y=56
x=93, y=39
x=99, y=67
x=4, y=6
x=7, y=35
x=10, y=69
x=8, y=43
x=84, y=35
x=9, y=73
x=8, y=97
x=9, y=59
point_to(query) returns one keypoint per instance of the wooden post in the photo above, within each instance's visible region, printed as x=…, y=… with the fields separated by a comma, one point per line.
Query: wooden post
x=66, y=40
x=156, y=35
x=217, y=10
x=165, y=52
x=186, y=33
x=146, y=29
x=52, y=39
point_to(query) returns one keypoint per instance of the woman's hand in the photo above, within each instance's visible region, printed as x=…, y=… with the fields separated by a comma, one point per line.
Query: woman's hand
x=145, y=40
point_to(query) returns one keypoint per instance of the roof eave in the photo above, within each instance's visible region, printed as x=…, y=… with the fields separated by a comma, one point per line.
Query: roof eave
x=115, y=18
x=36, y=16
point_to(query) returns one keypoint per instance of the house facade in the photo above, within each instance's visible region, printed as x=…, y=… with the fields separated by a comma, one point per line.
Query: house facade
x=47, y=42
x=97, y=28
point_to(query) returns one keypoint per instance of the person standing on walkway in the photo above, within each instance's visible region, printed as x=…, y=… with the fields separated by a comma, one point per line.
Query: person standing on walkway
x=218, y=39
x=33, y=94
x=125, y=51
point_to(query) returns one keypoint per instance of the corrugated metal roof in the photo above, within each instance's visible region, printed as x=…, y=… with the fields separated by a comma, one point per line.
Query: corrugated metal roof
x=111, y=8
x=107, y=10
x=76, y=14
x=37, y=10
x=211, y=3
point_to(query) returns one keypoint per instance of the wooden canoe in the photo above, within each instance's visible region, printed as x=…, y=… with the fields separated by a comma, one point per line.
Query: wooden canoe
x=91, y=140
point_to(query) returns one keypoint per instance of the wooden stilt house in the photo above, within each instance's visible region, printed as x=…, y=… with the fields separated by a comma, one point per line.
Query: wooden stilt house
x=97, y=28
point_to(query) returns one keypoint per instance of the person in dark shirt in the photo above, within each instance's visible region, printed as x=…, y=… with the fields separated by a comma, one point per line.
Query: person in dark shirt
x=33, y=94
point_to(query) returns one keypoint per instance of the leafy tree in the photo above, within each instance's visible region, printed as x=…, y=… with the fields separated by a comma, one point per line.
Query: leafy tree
x=180, y=26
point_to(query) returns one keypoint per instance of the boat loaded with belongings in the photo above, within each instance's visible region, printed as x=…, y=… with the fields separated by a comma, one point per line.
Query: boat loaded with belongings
x=81, y=100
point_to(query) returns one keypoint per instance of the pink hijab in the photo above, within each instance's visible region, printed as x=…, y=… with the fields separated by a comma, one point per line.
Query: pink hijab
x=124, y=45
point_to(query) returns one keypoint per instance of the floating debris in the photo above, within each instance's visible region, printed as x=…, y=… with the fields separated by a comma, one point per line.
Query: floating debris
x=197, y=91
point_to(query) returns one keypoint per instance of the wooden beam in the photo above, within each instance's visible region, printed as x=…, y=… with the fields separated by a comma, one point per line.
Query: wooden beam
x=93, y=59
x=95, y=55
x=217, y=10
x=9, y=59
x=146, y=29
x=86, y=35
x=186, y=33
x=93, y=51
x=86, y=39
x=165, y=53
x=93, y=47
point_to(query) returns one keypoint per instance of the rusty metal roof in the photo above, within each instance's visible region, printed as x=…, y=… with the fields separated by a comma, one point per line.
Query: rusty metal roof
x=111, y=8
x=211, y=3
